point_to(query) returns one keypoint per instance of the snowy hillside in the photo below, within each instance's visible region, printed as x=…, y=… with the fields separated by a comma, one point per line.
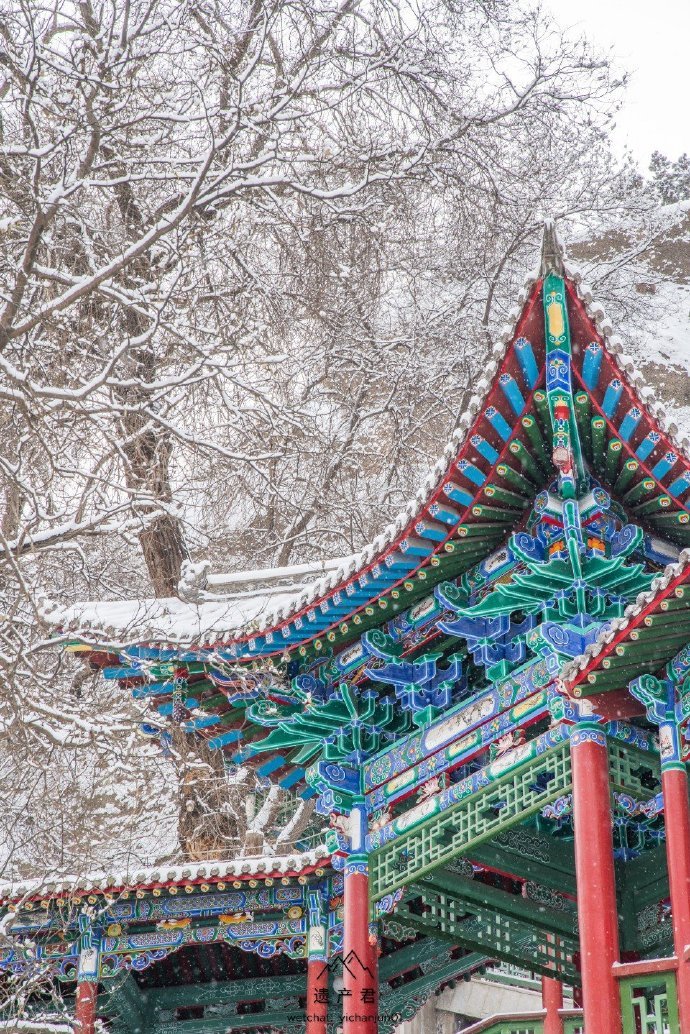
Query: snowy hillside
x=653, y=316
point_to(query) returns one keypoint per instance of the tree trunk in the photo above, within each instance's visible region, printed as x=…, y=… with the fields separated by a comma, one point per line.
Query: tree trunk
x=148, y=450
x=147, y=474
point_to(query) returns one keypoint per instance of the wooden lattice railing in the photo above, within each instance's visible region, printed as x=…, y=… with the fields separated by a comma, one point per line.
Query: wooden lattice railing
x=648, y=997
x=648, y=1005
x=526, y=1023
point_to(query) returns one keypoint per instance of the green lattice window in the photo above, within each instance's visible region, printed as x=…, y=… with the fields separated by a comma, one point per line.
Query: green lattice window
x=503, y=936
x=635, y=771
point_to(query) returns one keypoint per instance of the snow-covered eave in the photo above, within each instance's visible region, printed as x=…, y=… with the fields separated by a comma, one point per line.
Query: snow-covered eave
x=272, y=575
x=196, y=627
x=106, y=635
x=19, y=1025
x=186, y=874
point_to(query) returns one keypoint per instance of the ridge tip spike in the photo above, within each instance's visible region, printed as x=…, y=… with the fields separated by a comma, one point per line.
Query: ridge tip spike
x=552, y=252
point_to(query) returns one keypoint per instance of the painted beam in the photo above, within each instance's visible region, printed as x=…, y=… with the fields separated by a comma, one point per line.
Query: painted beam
x=408, y=957
x=228, y=992
x=527, y=854
x=266, y=929
x=124, y=1000
x=462, y=719
x=461, y=751
x=198, y=905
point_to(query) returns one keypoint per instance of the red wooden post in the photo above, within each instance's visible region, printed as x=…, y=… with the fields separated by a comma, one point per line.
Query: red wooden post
x=317, y=996
x=552, y=1001
x=87, y=978
x=677, y=820
x=359, y=977
x=85, y=1007
x=596, y=883
x=360, y=966
x=660, y=698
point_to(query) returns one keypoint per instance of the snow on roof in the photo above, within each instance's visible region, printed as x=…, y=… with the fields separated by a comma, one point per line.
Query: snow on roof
x=271, y=575
x=49, y=1025
x=203, y=619
x=189, y=872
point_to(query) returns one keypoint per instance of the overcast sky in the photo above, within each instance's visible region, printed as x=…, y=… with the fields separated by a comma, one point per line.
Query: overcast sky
x=650, y=38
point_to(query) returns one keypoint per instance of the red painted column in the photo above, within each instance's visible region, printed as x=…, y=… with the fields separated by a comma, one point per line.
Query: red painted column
x=664, y=705
x=317, y=996
x=596, y=883
x=674, y=781
x=317, y=964
x=85, y=1007
x=359, y=975
x=552, y=1001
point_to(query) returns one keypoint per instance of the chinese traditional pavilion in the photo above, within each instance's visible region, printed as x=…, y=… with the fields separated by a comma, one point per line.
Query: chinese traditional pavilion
x=489, y=704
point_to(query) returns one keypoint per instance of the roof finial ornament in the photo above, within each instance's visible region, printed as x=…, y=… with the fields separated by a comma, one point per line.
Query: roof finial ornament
x=552, y=253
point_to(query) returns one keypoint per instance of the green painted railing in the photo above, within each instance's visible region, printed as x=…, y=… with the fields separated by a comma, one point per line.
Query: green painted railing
x=526, y=1023
x=648, y=1003
x=573, y=1025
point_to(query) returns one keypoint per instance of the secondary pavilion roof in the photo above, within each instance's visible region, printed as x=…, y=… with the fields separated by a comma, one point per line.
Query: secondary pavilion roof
x=294, y=865
x=210, y=606
x=473, y=498
x=193, y=946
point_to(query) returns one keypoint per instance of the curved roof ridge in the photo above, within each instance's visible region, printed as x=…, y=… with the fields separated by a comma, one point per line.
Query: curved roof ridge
x=203, y=619
x=293, y=863
x=67, y=618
